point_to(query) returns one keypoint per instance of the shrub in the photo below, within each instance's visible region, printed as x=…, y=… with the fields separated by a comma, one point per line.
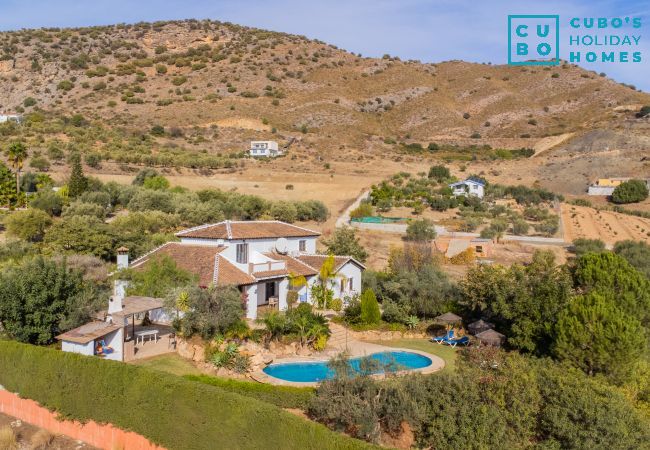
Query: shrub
x=48, y=201
x=466, y=116
x=370, y=313
x=632, y=191
x=365, y=209
x=65, y=85
x=421, y=230
x=336, y=304
x=439, y=173
x=29, y=225
x=40, y=163
x=89, y=385
x=177, y=81
x=583, y=246
x=284, y=211
x=29, y=101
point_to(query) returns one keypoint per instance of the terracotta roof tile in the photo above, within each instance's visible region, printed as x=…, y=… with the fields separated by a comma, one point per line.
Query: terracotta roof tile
x=228, y=273
x=247, y=230
x=200, y=260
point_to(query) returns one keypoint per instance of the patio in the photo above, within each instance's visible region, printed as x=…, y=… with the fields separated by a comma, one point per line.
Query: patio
x=149, y=340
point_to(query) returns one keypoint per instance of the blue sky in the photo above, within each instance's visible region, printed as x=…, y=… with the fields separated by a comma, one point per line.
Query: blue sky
x=431, y=31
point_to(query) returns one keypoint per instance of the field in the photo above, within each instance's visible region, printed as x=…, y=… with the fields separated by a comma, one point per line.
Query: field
x=608, y=226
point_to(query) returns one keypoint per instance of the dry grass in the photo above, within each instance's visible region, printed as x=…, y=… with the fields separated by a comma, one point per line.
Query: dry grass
x=8, y=439
x=41, y=440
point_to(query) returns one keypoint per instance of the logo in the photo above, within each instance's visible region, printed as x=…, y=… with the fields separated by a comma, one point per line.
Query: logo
x=533, y=40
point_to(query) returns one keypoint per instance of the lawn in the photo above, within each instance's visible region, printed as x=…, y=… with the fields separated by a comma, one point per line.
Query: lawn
x=445, y=352
x=170, y=363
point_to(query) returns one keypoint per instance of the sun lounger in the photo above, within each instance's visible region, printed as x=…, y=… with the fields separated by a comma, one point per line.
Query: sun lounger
x=460, y=341
x=442, y=339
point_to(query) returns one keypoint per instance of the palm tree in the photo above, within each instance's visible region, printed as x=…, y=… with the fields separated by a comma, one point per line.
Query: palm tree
x=17, y=153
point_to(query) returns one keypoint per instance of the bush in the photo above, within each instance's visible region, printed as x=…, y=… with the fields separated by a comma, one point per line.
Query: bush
x=365, y=209
x=29, y=225
x=40, y=163
x=420, y=231
x=439, y=173
x=582, y=246
x=48, y=201
x=83, y=388
x=370, y=313
x=632, y=191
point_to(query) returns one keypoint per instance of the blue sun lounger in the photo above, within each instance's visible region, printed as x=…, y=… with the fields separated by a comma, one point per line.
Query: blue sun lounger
x=454, y=342
x=442, y=339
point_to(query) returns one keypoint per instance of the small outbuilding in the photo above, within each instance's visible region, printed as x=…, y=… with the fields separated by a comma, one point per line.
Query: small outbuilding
x=491, y=337
x=479, y=326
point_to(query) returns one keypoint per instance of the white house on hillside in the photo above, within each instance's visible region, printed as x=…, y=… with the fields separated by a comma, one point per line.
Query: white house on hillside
x=268, y=149
x=470, y=186
x=259, y=258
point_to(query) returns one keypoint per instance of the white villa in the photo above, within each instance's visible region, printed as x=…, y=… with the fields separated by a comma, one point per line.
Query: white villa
x=268, y=149
x=470, y=186
x=259, y=258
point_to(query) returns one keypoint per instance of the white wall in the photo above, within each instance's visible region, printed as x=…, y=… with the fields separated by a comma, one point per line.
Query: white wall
x=255, y=248
x=83, y=349
x=348, y=271
x=251, y=307
x=115, y=340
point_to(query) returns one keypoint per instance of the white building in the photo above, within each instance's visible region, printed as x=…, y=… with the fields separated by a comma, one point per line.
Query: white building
x=268, y=149
x=11, y=118
x=259, y=258
x=469, y=186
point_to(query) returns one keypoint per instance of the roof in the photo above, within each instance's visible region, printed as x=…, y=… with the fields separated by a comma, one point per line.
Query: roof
x=203, y=261
x=491, y=337
x=456, y=247
x=136, y=305
x=468, y=181
x=88, y=332
x=316, y=261
x=449, y=318
x=259, y=229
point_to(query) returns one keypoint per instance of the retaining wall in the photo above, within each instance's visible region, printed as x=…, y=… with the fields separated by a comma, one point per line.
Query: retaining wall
x=105, y=436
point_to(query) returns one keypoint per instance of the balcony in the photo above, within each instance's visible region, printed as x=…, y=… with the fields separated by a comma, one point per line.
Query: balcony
x=268, y=266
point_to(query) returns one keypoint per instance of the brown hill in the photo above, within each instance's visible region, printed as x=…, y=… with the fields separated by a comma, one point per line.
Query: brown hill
x=214, y=86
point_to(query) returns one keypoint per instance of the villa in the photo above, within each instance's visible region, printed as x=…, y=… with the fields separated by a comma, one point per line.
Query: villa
x=259, y=258
x=268, y=149
x=470, y=186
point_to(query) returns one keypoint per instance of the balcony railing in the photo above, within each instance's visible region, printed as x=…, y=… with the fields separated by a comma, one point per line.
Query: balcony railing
x=266, y=266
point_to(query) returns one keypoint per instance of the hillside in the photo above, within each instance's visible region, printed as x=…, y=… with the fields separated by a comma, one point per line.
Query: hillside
x=214, y=86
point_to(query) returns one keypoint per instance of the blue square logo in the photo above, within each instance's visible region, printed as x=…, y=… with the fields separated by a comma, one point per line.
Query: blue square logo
x=534, y=40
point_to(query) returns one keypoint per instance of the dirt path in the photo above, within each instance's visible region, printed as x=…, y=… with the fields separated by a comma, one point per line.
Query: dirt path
x=344, y=219
x=549, y=142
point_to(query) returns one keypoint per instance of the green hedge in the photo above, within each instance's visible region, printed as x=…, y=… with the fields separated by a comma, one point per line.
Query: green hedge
x=282, y=396
x=169, y=410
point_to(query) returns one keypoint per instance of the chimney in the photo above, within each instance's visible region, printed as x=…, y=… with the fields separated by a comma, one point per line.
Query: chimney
x=122, y=258
x=119, y=286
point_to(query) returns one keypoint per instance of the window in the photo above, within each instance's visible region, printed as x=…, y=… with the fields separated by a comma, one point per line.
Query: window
x=242, y=253
x=350, y=284
x=479, y=249
x=302, y=245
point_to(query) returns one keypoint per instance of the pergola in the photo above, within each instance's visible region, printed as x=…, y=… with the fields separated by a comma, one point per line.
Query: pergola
x=134, y=305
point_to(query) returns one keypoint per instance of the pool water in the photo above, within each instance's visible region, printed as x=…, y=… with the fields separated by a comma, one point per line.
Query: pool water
x=316, y=371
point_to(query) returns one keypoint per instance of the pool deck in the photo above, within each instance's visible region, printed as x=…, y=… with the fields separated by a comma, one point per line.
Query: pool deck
x=354, y=349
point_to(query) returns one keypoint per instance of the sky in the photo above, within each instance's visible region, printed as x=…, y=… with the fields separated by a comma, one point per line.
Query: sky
x=426, y=30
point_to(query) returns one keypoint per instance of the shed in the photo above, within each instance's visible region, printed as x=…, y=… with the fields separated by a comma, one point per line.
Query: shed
x=491, y=337
x=479, y=326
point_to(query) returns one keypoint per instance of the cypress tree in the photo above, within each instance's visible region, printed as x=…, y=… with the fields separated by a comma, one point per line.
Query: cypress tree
x=78, y=182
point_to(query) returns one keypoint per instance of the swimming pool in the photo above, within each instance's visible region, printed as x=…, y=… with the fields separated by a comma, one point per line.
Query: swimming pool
x=313, y=372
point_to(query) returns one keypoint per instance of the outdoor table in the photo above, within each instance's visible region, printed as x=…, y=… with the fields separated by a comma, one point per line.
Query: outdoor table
x=141, y=335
